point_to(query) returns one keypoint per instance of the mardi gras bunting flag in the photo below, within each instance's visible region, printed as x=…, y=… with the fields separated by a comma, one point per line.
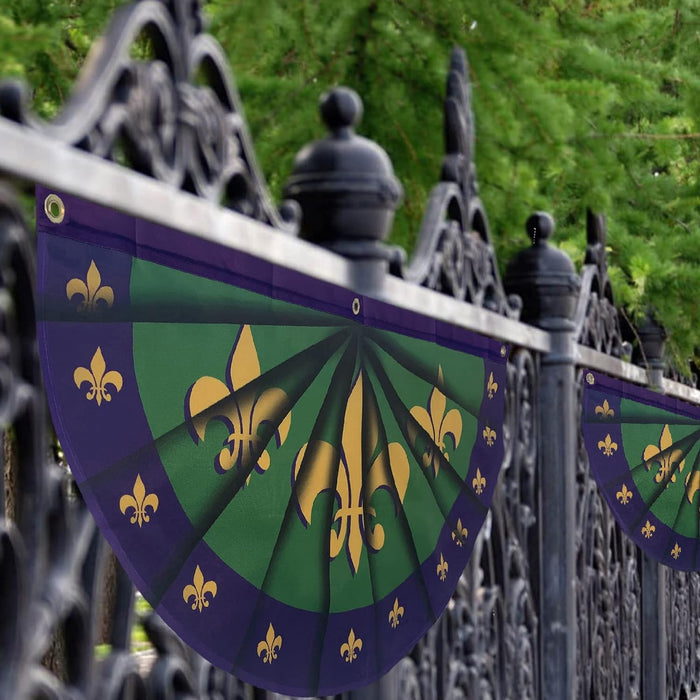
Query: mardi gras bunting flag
x=293, y=474
x=644, y=453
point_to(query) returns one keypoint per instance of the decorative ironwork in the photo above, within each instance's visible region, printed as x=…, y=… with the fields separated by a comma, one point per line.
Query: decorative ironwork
x=682, y=623
x=454, y=254
x=597, y=320
x=175, y=116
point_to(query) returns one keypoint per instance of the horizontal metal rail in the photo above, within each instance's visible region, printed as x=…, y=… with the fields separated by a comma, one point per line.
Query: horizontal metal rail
x=36, y=158
x=33, y=157
x=587, y=357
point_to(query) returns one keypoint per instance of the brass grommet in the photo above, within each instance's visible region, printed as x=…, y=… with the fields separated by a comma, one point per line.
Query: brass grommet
x=54, y=208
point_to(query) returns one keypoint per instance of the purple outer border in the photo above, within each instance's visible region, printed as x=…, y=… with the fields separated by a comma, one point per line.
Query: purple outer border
x=611, y=472
x=229, y=640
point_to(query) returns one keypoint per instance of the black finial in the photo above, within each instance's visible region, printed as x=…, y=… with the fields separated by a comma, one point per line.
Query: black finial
x=345, y=184
x=652, y=338
x=543, y=277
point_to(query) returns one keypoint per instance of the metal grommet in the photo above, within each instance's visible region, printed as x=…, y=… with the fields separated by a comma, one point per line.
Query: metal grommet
x=356, y=306
x=503, y=350
x=54, y=208
x=590, y=378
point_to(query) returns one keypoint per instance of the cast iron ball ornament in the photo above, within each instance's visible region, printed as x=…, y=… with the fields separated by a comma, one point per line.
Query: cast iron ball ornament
x=345, y=183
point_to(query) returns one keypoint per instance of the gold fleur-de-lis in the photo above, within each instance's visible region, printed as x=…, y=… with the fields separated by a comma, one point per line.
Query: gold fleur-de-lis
x=648, y=530
x=350, y=649
x=459, y=534
x=666, y=458
x=624, y=495
x=240, y=411
x=605, y=411
x=388, y=469
x=198, y=590
x=676, y=551
x=139, y=502
x=442, y=568
x=492, y=386
x=489, y=434
x=268, y=647
x=438, y=425
x=692, y=485
x=98, y=379
x=479, y=482
x=607, y=445
x=395, y=614
x=91, y=290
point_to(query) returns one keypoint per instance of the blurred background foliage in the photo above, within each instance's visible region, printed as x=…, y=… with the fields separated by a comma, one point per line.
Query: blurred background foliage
x=578, y=104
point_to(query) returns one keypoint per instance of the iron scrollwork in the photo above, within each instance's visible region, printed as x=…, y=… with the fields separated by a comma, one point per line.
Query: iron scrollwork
x=454, y=253
x=175, y=116
x=597, y=321
x=683, y=633
x=44, y=537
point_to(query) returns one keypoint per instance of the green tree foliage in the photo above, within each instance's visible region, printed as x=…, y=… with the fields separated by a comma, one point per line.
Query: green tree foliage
x=578, y=104
x=45, y=43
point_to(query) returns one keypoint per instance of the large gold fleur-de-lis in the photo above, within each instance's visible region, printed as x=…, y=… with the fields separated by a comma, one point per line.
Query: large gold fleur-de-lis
x=350, y=649
x=489, y=434
x=624, y=495
x=442, y=568
x=438, y=425
x=268, y=647
x=139, y=501
x=98, y=379
x=241, y=412
x=605, y=411
x=321, y=461
x=479, y=482
x=648, y=530
x=459, y=534
x=395, y=614
x=607, y=446
x=91, y=290
x=491, y=386
x=666, y=458
x=198, y=590
x=676, y=551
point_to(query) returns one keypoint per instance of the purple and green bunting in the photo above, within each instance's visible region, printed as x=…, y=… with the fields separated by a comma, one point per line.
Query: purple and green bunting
x=293, y=474
x=644, y=453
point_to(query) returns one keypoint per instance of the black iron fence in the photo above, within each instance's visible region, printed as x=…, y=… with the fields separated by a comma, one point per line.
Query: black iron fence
x=555, y=601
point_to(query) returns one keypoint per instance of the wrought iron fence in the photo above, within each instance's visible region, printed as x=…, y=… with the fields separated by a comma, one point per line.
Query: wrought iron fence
x=556, y=602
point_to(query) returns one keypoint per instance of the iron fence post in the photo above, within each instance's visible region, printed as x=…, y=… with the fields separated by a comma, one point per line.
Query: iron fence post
x=545, y=279
x=653, y=629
